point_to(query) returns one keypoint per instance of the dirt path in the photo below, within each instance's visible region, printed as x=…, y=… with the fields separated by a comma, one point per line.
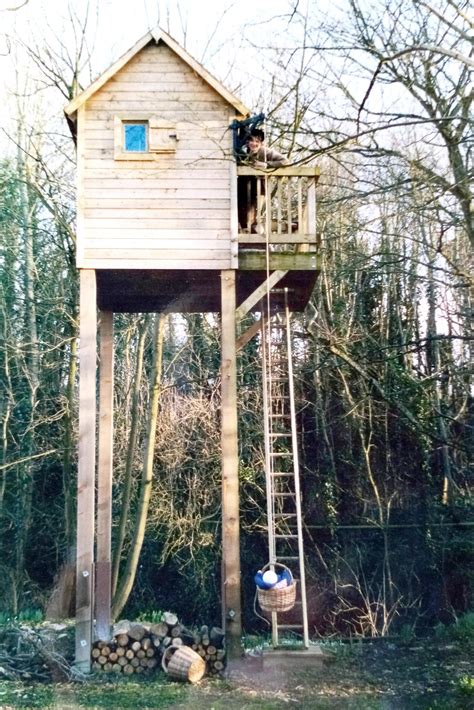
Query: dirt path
x=378, y=675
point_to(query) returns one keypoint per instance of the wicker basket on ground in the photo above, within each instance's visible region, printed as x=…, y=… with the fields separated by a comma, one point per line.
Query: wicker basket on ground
x=185, y=664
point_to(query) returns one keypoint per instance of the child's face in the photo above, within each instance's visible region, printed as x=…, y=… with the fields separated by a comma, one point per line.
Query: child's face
x=253, y=144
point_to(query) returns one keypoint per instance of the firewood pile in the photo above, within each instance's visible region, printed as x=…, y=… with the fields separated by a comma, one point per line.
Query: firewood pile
x=209, y=644
x=138, y=648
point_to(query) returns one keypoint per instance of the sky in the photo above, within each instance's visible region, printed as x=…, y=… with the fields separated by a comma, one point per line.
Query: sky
x=238, y=41
x=195, y=24
x=216, y=34
x=229, y=41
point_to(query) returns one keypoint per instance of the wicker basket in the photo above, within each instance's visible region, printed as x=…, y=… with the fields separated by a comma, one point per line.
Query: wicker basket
x=277, y=599
x=185, y=664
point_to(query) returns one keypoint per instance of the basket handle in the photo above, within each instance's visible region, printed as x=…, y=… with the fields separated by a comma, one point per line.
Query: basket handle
x=277, y=564
x=163, y=658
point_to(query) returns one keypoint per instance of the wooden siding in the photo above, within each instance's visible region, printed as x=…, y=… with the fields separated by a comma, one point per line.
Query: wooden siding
x=169, y=210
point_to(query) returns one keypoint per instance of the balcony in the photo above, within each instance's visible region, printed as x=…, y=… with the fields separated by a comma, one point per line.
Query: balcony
x=277, y=216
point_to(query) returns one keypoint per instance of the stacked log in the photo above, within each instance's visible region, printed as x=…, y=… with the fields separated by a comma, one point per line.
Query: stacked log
x=128, y=652
x=209, y=644
x=138, y=648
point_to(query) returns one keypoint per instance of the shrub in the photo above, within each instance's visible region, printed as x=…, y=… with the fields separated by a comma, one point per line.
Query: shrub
x=463, y=629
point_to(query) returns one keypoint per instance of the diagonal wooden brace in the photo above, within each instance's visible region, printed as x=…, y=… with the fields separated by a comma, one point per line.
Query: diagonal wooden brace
x=251, y=331
x=247, y=335
x=259, y=293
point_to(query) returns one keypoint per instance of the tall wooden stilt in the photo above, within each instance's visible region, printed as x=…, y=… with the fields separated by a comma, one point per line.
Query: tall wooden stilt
x=232, y=619
x=86, y=468
x=104, y=476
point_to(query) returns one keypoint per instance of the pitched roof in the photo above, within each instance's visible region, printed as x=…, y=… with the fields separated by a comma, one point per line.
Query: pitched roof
x=157, y=35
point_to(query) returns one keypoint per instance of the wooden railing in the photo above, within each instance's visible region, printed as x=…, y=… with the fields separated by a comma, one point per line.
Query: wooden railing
x=282, y=208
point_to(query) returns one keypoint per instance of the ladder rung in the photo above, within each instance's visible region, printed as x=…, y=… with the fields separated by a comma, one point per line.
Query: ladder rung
x=290, y=626
x=279, y=454
x=282, y=473
x=280, y=434
x=284, y=495
x=285, y=515
x=287, y=557
x=286, y=537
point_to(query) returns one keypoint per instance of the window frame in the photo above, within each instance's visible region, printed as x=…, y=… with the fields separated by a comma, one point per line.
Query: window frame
x=119, y=137
x=154, y=149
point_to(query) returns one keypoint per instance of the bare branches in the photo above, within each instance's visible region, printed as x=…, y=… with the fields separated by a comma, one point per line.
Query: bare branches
x=17, y=7
x=26, y=459
x=449, y=22
x=409, y=50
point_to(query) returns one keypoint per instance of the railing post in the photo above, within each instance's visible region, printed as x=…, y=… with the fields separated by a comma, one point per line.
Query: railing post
x=311, y=208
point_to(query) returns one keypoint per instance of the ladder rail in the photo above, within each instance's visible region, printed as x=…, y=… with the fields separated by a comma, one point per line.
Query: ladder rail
x=296, y=471
x=281, y=458
x=268, y=461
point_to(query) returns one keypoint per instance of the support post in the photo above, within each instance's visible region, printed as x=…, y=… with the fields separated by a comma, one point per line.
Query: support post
x=86, y=468
x=104, y=476
x=232, y=617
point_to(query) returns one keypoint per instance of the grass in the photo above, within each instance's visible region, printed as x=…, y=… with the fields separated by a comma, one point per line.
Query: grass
x=428, y=675
x=93, y=694
x=26, y=616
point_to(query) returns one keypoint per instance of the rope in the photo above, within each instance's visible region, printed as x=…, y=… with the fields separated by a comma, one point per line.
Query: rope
x=255, y=609
x=268, y=349
x=267, y=363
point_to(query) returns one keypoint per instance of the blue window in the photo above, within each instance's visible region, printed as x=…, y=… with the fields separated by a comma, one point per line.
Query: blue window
x=135, y=137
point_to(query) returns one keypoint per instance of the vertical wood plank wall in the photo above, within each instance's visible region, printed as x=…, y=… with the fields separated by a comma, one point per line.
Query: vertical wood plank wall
x=86, y=468
x=173, y=211
x=231, y=606
x=104, y=476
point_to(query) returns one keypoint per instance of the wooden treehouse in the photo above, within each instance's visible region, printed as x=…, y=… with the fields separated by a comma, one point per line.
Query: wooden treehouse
x=157, y=230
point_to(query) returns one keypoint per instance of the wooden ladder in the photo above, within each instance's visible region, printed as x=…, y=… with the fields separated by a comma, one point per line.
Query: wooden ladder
x=285, y=533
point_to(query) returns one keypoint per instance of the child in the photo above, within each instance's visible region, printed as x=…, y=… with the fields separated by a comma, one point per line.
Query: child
x=255, y=155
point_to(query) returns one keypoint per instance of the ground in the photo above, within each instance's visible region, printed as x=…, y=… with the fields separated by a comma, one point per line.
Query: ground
x=378, y=675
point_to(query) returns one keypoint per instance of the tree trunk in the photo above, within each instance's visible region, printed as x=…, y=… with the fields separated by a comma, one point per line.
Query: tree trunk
x=132, y=443
x=126, y=583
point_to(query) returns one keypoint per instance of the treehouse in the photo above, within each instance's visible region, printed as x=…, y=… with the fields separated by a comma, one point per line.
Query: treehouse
x=158, y=230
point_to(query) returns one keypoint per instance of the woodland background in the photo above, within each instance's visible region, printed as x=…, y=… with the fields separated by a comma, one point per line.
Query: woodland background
x=380, y=97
